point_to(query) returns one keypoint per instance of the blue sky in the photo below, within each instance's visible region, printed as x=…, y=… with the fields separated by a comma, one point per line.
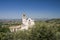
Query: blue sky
x=13, y=9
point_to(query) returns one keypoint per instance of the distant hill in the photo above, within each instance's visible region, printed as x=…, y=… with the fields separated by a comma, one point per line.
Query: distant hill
x=10, y=20
x=54, y=20
x=41, y=19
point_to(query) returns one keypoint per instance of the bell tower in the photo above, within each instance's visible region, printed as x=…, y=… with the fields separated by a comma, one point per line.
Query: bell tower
x=24, y=19
x=24, y=16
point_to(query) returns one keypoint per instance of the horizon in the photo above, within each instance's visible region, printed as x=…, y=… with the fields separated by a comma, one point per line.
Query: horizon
x=13, y=9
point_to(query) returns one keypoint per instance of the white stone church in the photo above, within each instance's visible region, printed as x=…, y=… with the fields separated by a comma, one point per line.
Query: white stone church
x=26, y=23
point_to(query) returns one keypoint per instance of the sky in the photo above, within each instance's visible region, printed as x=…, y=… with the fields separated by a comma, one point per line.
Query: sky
x=13, y=9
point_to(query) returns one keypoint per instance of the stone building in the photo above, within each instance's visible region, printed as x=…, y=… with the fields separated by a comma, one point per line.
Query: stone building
x=26, y=23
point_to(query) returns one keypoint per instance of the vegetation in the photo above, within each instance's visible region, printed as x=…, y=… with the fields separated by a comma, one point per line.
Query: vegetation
x=43, y=30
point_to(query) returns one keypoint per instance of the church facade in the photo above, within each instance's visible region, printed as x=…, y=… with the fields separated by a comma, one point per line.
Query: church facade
x=26, y=23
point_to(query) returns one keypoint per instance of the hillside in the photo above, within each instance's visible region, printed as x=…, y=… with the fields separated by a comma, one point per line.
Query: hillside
x=43, y=30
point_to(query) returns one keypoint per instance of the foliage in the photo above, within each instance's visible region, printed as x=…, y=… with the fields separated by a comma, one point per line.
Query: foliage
x=3, y=32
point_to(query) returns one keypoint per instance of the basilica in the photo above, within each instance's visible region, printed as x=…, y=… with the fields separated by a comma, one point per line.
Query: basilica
x=26, y=24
